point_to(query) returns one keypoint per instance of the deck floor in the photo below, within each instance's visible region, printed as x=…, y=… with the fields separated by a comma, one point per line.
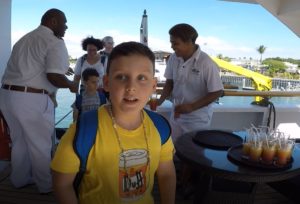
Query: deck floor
x=30, y=195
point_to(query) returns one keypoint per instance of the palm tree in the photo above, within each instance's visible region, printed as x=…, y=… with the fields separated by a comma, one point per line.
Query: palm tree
x=261, y=49
x=220, y=56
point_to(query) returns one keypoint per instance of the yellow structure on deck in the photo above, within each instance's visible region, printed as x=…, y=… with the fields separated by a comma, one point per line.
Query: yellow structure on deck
x=261, y=82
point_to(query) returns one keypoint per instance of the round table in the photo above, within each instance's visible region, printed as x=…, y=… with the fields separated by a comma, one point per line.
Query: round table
x=216, y=163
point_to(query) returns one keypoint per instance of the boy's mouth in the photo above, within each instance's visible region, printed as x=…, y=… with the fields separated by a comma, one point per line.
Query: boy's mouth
x=130, y=100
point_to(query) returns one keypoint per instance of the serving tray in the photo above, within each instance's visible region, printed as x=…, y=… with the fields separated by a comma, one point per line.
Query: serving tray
x=235, y=153
x=217, y=139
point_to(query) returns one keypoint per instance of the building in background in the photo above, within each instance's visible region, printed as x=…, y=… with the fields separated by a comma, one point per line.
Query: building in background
x=144, y=29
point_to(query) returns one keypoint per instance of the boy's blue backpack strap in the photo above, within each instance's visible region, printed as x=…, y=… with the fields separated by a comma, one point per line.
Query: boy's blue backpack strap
x=102, y=97
x=78, y=102
x=86, y=131
x=161, y=124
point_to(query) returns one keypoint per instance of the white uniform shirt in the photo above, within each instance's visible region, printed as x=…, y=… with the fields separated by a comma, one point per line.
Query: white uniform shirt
x=193, y=79
x=33, y=56
x=98, y=66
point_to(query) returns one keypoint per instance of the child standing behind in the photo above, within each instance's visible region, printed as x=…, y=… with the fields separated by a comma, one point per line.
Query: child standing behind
x=90, y=98
x=127, y=152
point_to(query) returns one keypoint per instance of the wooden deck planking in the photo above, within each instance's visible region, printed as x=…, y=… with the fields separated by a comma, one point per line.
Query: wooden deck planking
x=267, y=195
x=30, y=195
x=26, y=195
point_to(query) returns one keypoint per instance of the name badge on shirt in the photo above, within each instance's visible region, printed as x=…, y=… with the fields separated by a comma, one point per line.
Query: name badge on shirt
x=195, y=71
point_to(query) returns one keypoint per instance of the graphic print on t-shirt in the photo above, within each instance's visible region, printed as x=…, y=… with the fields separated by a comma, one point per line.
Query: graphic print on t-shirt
x=132, y=174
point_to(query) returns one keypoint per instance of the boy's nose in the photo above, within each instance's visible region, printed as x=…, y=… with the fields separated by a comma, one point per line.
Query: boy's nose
x=130, y=89
x=131, y=85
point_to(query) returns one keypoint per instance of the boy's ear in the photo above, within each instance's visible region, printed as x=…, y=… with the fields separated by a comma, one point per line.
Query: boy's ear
x=105, y=83
x=154, y=84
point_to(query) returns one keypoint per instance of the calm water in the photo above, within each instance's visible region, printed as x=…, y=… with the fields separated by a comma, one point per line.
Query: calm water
x=65, y=99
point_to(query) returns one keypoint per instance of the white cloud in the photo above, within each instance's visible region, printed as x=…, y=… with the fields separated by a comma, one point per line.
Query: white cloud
x=73, y=42
x=214, y=46
x=210, y=44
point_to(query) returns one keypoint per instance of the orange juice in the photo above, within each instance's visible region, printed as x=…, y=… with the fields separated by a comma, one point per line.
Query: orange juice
x=283, y=156
x=255, y=153
x=268, y=154
x=153, y=104
x=246, y=148
x=284, y=153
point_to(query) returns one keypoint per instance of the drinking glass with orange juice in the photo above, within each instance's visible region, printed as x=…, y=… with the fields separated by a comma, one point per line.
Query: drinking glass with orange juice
x=268, y=152
x=247, y=143
x=153, y=102
x=284, y=152
x=246, y=148
x=255, y=151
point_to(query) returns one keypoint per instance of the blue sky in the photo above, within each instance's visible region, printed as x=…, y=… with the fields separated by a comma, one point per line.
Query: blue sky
x=230, y=29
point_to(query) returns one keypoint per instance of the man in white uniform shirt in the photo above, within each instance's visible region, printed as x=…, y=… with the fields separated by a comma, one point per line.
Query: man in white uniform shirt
x=193, y=82
x=35, y=70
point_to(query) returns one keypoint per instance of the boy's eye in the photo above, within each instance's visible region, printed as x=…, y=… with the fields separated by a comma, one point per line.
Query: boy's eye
x=121, y=77
x=142, y=77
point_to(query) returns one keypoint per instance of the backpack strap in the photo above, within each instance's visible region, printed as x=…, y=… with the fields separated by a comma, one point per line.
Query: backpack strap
x=83, y=58
x=78, y=102
x=103, y=58
x=102, y=97
x=86, y=131
x=161, y=124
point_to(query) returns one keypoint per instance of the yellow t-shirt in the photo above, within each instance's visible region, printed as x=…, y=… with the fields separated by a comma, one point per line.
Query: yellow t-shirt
x=105, y=180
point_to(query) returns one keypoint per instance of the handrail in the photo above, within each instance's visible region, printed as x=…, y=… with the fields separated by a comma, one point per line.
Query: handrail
x=235, y=92
x=262, y=93
x=63, y=117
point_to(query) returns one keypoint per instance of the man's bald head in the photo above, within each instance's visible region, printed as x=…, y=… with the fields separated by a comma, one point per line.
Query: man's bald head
x=55, y=20
x=51, y=13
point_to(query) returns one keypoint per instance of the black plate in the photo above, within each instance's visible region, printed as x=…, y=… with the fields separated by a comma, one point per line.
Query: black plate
x=235, y=153
x=217, y=139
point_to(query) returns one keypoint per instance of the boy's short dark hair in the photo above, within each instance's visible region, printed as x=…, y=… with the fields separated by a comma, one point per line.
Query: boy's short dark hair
x=128, y=49
x=185, y=32
x=88, y=72
x=91, y=40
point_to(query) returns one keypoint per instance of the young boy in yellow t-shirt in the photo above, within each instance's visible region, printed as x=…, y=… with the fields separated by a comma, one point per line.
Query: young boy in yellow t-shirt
x=127, y=152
